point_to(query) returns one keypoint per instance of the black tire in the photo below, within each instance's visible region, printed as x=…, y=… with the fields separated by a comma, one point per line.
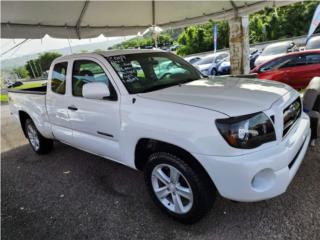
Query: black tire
x=203, y=194
x=44, y=145
x=213, y=72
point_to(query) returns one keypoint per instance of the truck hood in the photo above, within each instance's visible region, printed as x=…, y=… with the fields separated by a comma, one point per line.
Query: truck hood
x=228, y=95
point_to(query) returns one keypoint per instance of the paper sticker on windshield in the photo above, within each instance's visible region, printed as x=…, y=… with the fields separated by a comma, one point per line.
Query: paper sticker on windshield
x=125, y=69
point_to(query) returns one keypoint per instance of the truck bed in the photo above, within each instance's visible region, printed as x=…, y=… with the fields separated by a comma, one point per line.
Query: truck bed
x=36, y=90
x=31, y=101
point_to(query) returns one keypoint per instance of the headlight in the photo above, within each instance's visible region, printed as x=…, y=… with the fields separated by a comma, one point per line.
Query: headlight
x=247, y=131
x=222, y=66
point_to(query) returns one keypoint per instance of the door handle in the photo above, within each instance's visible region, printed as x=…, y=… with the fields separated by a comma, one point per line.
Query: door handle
x=72, y=108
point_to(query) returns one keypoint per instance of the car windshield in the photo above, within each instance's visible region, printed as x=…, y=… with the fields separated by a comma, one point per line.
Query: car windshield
x=206, y=60
x=313, y=43
x=275, y=49
x=146, y=72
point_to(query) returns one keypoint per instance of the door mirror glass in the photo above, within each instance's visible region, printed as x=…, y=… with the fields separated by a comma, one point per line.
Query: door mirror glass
x=95, y=90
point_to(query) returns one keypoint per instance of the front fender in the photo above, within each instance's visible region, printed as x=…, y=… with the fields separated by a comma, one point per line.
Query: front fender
x=190, y=128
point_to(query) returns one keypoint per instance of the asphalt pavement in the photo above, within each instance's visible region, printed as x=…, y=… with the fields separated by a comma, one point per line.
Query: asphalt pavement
x=70, y=194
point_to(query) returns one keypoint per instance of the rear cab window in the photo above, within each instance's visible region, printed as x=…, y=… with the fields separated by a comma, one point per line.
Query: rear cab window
x=58, y=78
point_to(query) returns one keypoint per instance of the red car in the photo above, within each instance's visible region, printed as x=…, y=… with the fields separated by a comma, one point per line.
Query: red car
x=295, y=69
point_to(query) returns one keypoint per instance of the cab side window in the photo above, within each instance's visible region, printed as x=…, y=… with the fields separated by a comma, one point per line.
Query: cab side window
x=86, y=71
x=275, y=64
x=313, y=59
x=58, y=79
x=296, y=61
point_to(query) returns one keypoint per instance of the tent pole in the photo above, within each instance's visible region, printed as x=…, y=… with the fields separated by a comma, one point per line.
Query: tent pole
x=78, y=25
x=239, y=45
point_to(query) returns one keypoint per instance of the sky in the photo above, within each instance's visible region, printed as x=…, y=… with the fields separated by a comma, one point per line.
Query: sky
x=47, y=43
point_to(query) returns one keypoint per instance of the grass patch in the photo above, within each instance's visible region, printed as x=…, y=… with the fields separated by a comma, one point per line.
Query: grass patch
x=4, y=98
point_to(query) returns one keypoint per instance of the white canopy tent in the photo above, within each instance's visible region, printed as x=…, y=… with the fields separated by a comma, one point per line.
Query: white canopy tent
x=88, y=19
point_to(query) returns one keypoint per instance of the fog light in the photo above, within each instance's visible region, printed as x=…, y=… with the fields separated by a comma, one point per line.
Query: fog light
x=263, y=180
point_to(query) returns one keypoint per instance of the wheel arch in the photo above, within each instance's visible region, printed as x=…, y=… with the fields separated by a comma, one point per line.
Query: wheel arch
x=23, y=116
x=146, y=146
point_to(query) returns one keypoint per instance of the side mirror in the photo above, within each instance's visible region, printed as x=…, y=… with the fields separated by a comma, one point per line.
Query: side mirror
x=95, y=90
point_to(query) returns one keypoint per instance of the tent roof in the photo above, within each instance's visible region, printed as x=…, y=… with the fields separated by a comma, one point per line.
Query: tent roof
x=87, y=19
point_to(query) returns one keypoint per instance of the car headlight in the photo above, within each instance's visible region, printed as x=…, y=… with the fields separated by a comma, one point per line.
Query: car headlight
x=222, y=66
x=248, y=131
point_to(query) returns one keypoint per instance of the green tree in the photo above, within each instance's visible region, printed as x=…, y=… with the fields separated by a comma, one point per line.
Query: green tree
x=37, y=67
x=46, y=59
x=283, y=22
x=268, y=24
x=33, y=68
x=199, y=38
x=163, y=39
x=21, y=72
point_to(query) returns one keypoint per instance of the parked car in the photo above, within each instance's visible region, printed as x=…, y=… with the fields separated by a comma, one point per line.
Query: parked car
x=14, y=84
x=192, y=59
x=275, y=50
x=165, y=47
x=254, y=54
x=313, y=43
x=224, y=67
x=174, y=47
x=191, y=136
x=208, y=65
x=295, y=69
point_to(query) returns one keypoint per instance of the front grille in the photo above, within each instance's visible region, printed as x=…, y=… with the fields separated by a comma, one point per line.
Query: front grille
x=290, y=115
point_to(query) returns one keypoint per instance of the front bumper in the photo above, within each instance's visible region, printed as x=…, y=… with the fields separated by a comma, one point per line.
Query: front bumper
x=263, y=174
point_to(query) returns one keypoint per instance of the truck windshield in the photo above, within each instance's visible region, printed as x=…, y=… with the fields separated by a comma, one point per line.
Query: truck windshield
x=146, y=72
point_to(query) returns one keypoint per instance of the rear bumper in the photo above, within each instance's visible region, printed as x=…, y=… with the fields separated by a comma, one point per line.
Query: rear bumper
x=263, y=174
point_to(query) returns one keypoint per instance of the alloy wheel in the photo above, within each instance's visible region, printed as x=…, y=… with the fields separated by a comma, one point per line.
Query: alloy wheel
x=33, y=137
x=172, y=188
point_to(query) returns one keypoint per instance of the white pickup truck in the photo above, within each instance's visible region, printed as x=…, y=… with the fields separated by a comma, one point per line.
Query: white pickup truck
x=192, y=136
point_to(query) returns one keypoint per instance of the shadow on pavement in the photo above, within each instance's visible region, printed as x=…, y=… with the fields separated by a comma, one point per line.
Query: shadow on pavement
x=70, y=194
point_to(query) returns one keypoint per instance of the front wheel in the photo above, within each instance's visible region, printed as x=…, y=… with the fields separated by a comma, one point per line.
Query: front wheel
x=39, y=144
x=177, y=188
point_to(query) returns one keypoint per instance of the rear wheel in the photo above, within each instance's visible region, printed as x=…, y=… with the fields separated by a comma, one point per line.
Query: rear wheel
x=39, y=144
x=176, y=188
x=213, y=72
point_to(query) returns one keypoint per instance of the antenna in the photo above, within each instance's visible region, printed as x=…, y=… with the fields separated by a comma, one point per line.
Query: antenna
x=69, y=45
